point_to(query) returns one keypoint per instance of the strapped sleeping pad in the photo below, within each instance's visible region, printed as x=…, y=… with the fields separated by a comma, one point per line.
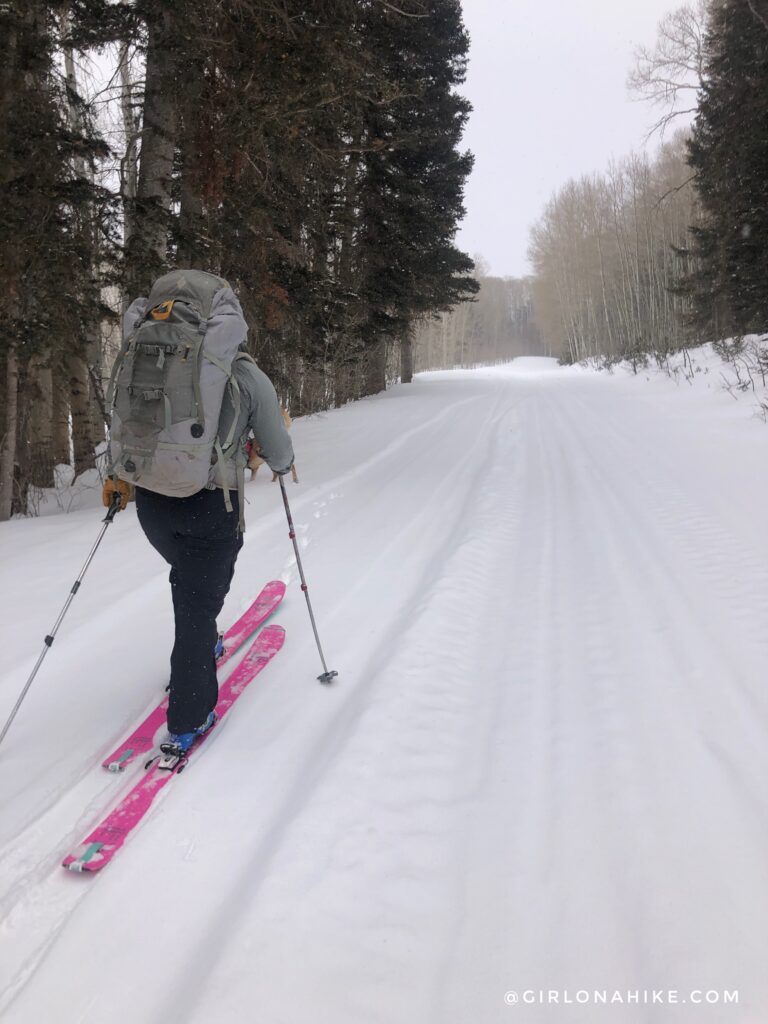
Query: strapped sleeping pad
x=168, y=385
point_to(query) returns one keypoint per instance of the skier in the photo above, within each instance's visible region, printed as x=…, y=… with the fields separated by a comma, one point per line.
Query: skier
x=200, y=532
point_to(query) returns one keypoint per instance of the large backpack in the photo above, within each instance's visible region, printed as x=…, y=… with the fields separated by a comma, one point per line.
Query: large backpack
x=169, y=381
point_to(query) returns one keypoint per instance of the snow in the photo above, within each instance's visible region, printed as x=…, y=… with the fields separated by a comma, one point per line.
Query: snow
x=543, y=765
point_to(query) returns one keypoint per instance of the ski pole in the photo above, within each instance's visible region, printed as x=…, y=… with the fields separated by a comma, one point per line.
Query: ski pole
x=113, y=510
x=327, y=676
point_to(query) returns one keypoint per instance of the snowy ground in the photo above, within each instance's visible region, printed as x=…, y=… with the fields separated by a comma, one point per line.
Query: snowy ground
x=543, y=767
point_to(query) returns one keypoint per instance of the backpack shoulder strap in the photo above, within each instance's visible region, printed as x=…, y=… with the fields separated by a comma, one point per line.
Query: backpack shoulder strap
x=234, y=448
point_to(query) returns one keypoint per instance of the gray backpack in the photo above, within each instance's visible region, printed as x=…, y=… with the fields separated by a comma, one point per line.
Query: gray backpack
x=169, y=382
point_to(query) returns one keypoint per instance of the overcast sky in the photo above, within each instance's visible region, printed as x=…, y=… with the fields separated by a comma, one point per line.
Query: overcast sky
x=547, y=82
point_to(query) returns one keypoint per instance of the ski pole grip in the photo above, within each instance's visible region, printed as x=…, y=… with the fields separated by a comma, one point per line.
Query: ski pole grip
x=114, y=507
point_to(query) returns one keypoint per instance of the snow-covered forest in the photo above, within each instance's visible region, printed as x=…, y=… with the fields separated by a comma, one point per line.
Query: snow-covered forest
x=528, y=500
x=310, y=155
x=667, y=249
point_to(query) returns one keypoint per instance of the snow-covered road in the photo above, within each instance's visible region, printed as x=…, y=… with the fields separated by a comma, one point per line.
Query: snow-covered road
x=543, y=767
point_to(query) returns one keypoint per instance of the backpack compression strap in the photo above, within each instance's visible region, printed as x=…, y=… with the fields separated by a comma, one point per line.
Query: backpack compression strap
x=227, y=449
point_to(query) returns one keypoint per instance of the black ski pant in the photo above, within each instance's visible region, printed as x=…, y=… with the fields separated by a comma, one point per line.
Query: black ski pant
x=200, y=540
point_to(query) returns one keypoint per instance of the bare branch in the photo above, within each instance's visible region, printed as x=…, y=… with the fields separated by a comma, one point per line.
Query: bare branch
x=752, y=4
x=664, y=122
x=397, y=10
x=675, y=64
x=674, y=190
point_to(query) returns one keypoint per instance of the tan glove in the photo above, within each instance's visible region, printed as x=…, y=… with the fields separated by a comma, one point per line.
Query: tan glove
x=114, y=486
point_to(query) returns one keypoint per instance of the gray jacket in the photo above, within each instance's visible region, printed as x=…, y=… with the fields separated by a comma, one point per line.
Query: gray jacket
x=259, y=413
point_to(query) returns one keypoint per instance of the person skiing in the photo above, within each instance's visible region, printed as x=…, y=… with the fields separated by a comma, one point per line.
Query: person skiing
x=183, y=362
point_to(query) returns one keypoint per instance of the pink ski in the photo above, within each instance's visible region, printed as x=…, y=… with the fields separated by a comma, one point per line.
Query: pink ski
x=102, y=844
x=142, y=739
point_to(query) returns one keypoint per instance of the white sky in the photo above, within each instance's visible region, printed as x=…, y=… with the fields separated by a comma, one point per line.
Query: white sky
x=547, y=82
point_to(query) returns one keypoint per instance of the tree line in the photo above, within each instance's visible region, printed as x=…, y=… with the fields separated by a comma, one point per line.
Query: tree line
x=609, y=253
x=309, y=154
x=664, y=251
x=495, y=327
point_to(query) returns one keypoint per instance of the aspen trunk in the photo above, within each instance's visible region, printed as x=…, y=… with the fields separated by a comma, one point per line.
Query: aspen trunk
x=406, y=357
x=99, y=418
x=146, y=251
x=82, y=425
x=96, y=402
x=94, y=360
x=41, y=423
x=376, y=368
x=129, y=168
x=87, y=422
x=8, y=449
x=192, y=247
x=343, y=384
x=60, y=426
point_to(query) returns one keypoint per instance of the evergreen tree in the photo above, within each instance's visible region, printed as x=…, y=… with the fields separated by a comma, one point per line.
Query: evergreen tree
x=412, y=189
x=318, y=169
x=729, y=153
x=307, y=152
x=49, y=212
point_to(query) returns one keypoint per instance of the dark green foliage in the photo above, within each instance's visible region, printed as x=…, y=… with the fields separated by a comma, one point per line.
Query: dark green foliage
x=319, y=170
x=307, y=152
x=48, y=209
x=729, y=152
x=94, y=23
x=56, y=225
x=412, y=189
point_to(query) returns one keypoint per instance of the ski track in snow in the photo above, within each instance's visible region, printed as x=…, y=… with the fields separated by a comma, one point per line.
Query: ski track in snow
x=21, y=858
x=543, y=765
